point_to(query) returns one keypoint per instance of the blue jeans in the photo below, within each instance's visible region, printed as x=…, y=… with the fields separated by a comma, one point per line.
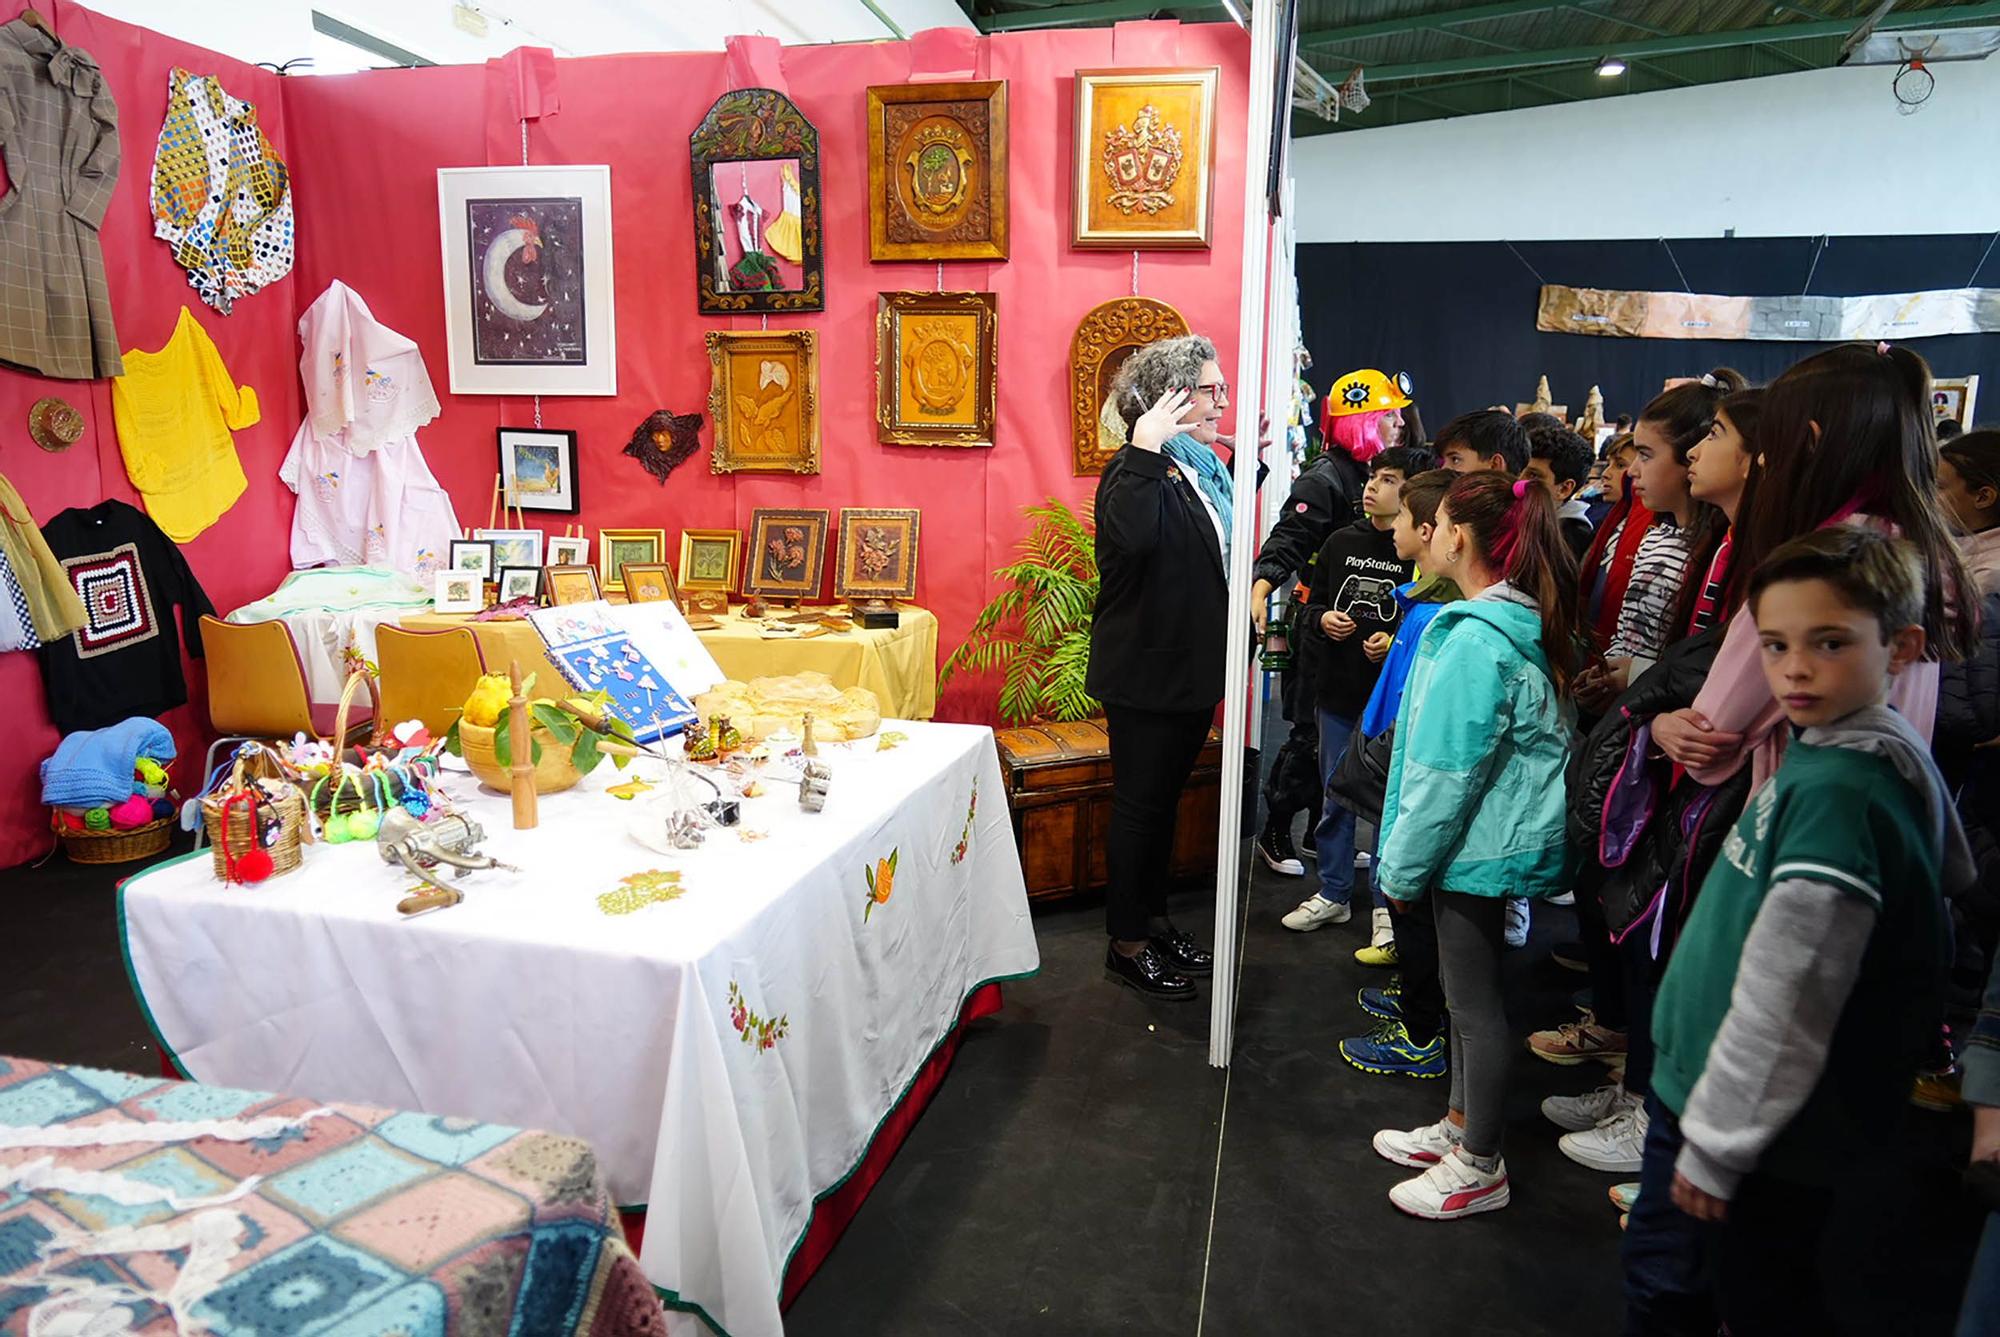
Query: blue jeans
x=1333, y=838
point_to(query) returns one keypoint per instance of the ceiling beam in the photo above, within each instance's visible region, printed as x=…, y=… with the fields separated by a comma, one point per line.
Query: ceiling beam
x=1672, y=46
x=1450, y=18
x=1070, y=16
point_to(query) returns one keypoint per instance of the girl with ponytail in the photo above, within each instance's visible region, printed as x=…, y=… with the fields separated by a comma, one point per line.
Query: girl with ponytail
x=1474, y=811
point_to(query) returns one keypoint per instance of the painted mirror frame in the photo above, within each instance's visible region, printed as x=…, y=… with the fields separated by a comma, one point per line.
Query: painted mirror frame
x=757, y=128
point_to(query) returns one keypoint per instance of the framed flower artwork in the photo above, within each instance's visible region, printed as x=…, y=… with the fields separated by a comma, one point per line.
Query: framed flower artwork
x=570, y=585
x=764, y=400
x=756, y=206
x=617, y=547
x=650, y=583
x=527, y=280
x=1144, y=165
x=937, y=171
x=538, y=469
x=878, y=554
x=710, y=559
x=937, y=363
x=787, y=553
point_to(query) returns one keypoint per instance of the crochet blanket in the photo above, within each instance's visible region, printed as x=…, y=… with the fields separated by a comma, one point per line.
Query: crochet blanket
x=240, y=1212
x=93, y=767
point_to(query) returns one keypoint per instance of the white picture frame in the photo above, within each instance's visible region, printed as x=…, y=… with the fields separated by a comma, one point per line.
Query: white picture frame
x=511, y=547
x=459, y=592
x=549, y=227
x=568, y=551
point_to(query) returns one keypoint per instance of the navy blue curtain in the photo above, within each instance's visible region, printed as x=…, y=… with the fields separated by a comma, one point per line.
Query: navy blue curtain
x=1459, y=317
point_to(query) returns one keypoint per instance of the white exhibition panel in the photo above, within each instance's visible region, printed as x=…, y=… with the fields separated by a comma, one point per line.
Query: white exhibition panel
x=528, y=1005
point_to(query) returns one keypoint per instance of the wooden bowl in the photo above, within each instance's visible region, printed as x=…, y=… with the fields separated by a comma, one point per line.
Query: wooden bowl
x=554, y=773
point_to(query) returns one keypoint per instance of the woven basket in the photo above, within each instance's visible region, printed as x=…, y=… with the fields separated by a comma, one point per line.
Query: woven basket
x=140, y=842
x=232, y=840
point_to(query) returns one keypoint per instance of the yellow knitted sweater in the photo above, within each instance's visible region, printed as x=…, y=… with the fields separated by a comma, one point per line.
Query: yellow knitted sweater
x=174, y=410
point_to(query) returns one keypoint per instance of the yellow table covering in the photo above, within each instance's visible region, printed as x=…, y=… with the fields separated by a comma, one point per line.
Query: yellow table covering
x=898, y=665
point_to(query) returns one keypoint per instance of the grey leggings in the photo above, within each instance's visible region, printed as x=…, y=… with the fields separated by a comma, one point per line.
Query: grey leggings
x=1470, y=944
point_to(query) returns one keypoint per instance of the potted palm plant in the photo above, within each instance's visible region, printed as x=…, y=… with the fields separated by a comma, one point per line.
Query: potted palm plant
x=1036, y=631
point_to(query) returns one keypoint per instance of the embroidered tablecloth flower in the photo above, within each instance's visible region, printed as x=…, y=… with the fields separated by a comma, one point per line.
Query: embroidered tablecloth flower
x=965, y=834
x=761, y=1032
x=881, y=881
x=639, y=890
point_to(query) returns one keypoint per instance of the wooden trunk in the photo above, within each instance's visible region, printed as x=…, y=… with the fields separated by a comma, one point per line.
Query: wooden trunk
x=1059, y=791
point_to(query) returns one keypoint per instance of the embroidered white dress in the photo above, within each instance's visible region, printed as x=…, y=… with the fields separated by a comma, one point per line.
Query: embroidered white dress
x=365, y=494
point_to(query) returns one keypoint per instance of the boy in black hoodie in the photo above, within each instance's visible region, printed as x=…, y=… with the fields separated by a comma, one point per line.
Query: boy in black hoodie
x=1349, y=618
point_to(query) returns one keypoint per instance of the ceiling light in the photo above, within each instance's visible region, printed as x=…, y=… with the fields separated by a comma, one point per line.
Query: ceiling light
x=1610, y=67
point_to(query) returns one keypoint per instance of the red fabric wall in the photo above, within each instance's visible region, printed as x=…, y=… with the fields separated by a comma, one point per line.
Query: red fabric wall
x=364, y=150
x=244, y=555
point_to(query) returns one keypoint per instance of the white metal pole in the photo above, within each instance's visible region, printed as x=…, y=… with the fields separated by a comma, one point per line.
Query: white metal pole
x=1249, y=379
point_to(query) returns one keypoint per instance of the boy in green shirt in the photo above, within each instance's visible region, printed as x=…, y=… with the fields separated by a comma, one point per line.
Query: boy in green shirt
x=1796, y=1009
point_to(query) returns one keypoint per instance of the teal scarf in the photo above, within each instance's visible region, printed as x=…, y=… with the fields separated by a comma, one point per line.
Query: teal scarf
x=1210, y=476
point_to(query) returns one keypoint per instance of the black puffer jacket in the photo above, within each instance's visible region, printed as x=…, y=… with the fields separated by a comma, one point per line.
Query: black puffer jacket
x=1968, y=715
x=1665, y=862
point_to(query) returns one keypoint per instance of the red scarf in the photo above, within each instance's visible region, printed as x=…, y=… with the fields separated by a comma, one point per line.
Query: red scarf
x=1709, y=600
x=1619, y=573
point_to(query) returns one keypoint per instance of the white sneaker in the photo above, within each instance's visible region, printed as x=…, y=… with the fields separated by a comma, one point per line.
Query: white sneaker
x=1517, y=922
x=1382, y=929
x=1568, y=898
x=1615, y=1146
x=1362, y=858
x=1417, y=1148
x=1316, y=911
x=1452, y=1188
x=1579, y=1114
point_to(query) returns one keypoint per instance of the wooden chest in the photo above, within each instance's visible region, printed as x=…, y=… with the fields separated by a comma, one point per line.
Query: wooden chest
x=1059, y=791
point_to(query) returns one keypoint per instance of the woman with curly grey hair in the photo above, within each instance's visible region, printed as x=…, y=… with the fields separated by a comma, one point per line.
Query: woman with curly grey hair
x=1156, y=643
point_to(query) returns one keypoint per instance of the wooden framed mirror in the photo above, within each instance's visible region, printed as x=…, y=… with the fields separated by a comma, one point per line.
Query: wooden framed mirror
x=756, y=206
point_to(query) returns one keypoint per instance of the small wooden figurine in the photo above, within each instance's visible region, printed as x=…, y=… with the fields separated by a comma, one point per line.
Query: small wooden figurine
x=522, y=772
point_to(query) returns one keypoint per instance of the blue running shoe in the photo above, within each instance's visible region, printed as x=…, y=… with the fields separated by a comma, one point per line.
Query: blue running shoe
x=1384, y=1003
x=1387, y=1051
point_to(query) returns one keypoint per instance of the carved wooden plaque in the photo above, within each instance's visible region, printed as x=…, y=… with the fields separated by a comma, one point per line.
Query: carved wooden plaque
x=764, y=401
x=937, y=361
x=1105, y=338
x=937, y=171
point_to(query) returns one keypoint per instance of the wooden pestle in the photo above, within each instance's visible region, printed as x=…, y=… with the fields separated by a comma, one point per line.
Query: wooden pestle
x=522, y=744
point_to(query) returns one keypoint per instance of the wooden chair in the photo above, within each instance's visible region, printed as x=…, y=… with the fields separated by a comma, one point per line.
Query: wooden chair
x=257, y=689
x=426, y=675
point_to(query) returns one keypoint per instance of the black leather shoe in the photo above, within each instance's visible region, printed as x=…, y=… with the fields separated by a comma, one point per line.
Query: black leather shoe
x=1148, y=972
x=1183, y=953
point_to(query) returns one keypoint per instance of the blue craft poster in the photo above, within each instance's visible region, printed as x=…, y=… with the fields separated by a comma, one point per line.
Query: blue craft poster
x=640, y=694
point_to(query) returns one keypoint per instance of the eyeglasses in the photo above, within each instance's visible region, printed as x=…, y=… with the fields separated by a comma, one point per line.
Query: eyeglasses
x=1218, y=393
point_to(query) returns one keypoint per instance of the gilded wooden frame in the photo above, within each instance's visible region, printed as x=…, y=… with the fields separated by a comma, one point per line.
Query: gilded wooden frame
x=934, y=386
x=752, y=125
x=611, y=562
x=780, y=391
x=769, y=526
x=849, y=581
x=650, y=582
x=1103, y=340
x=937, y=171
x=1143, y=176
x=691, y=537
x=570, y=583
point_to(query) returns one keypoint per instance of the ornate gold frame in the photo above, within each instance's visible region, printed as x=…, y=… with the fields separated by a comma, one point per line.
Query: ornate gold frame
x=1097, y=149
x=1122, y=323
x=900, y=335
x=733, y=456
x=690, y=537
x=980, y=151
x=613, y=582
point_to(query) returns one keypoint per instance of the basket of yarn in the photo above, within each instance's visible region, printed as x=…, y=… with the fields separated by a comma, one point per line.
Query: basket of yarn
x=255, y=819
x=116, y=834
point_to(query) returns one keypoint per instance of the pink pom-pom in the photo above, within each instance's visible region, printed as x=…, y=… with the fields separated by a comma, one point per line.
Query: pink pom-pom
x=1521, y=486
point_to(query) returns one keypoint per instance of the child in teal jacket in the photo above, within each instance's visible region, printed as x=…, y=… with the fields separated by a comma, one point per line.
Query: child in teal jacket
x=1474, y=810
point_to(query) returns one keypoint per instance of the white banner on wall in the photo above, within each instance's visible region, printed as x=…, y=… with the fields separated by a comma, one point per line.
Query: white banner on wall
x=1693, y=315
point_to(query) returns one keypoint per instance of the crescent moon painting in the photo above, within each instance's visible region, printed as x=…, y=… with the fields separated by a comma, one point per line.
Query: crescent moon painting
x=527, y=281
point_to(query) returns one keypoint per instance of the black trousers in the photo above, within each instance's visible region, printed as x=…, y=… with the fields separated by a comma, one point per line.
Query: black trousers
x=1417, y=961
x=1293, y=785
x=1607, y=968
x=1152, y=755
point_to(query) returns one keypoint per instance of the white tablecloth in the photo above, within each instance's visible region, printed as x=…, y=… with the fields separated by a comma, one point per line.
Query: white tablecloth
x=652, y=1033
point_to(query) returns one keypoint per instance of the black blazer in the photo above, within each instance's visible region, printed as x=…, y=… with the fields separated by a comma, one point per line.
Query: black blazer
x=1157, y=641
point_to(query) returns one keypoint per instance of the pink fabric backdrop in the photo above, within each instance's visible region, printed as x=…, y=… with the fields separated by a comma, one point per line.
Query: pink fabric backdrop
x=364, y=150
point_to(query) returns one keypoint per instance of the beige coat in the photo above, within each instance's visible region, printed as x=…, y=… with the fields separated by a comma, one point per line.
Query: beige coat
x=59, y=129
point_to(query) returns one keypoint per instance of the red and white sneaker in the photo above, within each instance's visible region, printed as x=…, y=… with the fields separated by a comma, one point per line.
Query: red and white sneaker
x=1452, y=1188
x=1418, y=1148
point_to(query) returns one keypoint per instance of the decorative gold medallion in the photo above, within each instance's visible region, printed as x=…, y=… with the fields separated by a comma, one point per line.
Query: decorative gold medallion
x=940, y=367
x=1143, y=163
x=941, y=167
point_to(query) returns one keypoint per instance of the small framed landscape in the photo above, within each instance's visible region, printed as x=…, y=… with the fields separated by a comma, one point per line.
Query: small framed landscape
x=570, y=585
x=878, y=554
x=787, y=553
x=474, y=556
x=616, y=547
x=519, y=582
x=538, y=469
x=527, y=280
x=460, y=592
x=512, y=547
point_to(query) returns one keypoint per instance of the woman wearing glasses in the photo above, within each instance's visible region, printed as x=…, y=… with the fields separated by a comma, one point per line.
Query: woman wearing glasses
x=1156, y=643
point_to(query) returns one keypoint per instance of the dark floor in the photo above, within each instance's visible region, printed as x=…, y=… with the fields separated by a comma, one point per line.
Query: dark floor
x=1066, y=1179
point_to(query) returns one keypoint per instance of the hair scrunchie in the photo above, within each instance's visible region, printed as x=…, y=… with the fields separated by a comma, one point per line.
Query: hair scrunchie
x=1521, y=486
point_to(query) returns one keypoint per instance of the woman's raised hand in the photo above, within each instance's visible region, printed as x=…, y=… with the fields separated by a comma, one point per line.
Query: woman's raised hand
x=1162, y=421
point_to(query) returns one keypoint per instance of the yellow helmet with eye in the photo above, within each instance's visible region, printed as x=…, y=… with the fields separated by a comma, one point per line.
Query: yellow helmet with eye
x=1368, y=391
